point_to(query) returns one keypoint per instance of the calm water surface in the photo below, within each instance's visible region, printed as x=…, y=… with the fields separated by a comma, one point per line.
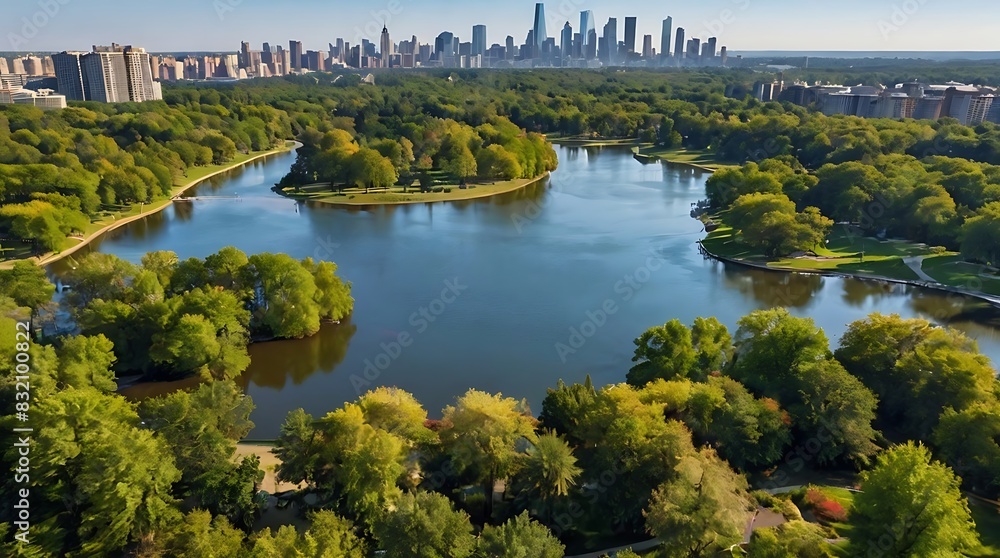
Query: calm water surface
x=508, y=294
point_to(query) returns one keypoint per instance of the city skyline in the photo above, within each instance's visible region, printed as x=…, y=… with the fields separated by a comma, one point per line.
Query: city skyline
x=219, y=24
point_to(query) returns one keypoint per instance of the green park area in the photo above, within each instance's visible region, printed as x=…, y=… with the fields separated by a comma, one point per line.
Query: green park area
x=443, y=190
x=702, y=158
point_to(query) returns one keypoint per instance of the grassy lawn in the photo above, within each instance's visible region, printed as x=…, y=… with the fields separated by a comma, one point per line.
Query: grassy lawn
x=987, y=519
x=698, y=157
x=396, y=195
x=842, y=253
x=586, y=141
x=951, y=270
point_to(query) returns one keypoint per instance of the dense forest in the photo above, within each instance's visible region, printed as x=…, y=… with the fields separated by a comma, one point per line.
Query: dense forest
x=911, y=406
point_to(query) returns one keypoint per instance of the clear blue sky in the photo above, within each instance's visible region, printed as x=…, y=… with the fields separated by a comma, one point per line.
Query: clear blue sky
x=217, y=25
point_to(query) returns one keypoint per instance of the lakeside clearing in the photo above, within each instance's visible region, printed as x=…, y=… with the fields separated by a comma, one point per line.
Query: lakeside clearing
x=113, y=220
x=322, y=193
x=699, y=158
x=849, y=253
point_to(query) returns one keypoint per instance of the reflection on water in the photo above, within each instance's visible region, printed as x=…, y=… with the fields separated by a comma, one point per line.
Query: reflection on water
x=538, y=262
x=771, y=288
x=275, y=363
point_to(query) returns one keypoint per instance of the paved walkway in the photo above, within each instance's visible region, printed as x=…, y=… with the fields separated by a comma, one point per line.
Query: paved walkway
x=916, y=264
x=637, y=547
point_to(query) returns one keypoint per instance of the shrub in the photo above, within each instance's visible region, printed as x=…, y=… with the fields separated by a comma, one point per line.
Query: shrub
x=830, y=511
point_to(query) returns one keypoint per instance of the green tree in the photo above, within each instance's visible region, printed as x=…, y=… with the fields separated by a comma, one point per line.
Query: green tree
x=201, y=535
x=86, y=362
x=981, y=235
x=712, y=344
x=910, y=505
x=770, y=347
x=702, y=511
x=368, y=168
x=285, y=304
x=519, y=537
x=665, y=352
x=969, y=441
x=424, y=525
x=795, y=539
x=549, y=471
x=482, y=434
x=27, y=284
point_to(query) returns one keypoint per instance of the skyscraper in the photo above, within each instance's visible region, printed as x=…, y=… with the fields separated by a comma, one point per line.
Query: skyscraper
x=478, y=40
x=591, y=53
x=629, y=35
x=385, y=46
x=694, y=49
x=566, y=43
x=679, y=45
x=538, y=30
x=295, y=52
x=668, y=25
x=69, y=75
x=712, y=41
x=610, y=41
x=586, y=26
x=647, y=46
x=509, y=44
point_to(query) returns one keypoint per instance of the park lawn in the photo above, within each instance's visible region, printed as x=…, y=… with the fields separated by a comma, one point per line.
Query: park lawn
x=395, y=195
x=585, y=141
x=697, y=157
x=951, y=270
x=841, y=254
x=987, y=518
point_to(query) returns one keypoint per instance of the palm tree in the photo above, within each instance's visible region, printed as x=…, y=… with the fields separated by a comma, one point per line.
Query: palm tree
x=549, y=471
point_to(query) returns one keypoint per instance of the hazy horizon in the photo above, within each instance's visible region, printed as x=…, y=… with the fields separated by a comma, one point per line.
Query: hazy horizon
x=742, y=25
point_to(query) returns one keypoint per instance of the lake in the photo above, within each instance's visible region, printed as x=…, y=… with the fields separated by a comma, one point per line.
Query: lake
x=507, y=294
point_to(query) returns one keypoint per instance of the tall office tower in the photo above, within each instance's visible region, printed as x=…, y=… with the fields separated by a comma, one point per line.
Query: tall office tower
x=629, y=35
x=266, y=47
x=478, y=40
x=69, y=75
x=668, y=25
x=566, y=42
x=712, y=41
x=385, y=46
x=647, y=47
x=591, y=53
x=140, y=76
x=244, y=54
x=723, y=56
x=679, y=44
x=694, y=49
x=444, y=47
x=509, y=44
x=105, y=76
x=538, y=30
x=295, y=53
x=587, y=25
x=577, y=46
x=610, y=41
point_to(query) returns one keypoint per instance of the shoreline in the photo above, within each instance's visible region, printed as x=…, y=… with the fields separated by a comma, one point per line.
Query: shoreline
x=473, y=195
x=52, y=257
x=990, y=299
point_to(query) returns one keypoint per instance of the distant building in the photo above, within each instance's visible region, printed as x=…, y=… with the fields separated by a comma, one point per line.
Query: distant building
x=647, y=47
x=479, y=40
x=295, y=53
x=139, y=75
x=630, y=22
x=668, y=25
x=566, y=41
x=539, y=32
x=69, y=75
x=679, y=45
x=385, y=45
x=105, y=76
x=45, y=99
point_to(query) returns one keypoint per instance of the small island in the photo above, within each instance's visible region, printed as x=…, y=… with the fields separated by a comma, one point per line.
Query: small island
x=425, y=160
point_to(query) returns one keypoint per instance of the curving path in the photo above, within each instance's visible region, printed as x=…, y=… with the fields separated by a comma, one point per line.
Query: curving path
x=916, y=263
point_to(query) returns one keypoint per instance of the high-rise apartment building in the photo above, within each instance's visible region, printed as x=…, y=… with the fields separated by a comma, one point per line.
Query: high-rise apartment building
x=539, y=34
x=3, y=66
x=139, y=74
x=105, y=75
x=69, y=75
x=668, y=26
x=630, y=23
x=479, y=40
x=647, y=47
x=712, y=42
